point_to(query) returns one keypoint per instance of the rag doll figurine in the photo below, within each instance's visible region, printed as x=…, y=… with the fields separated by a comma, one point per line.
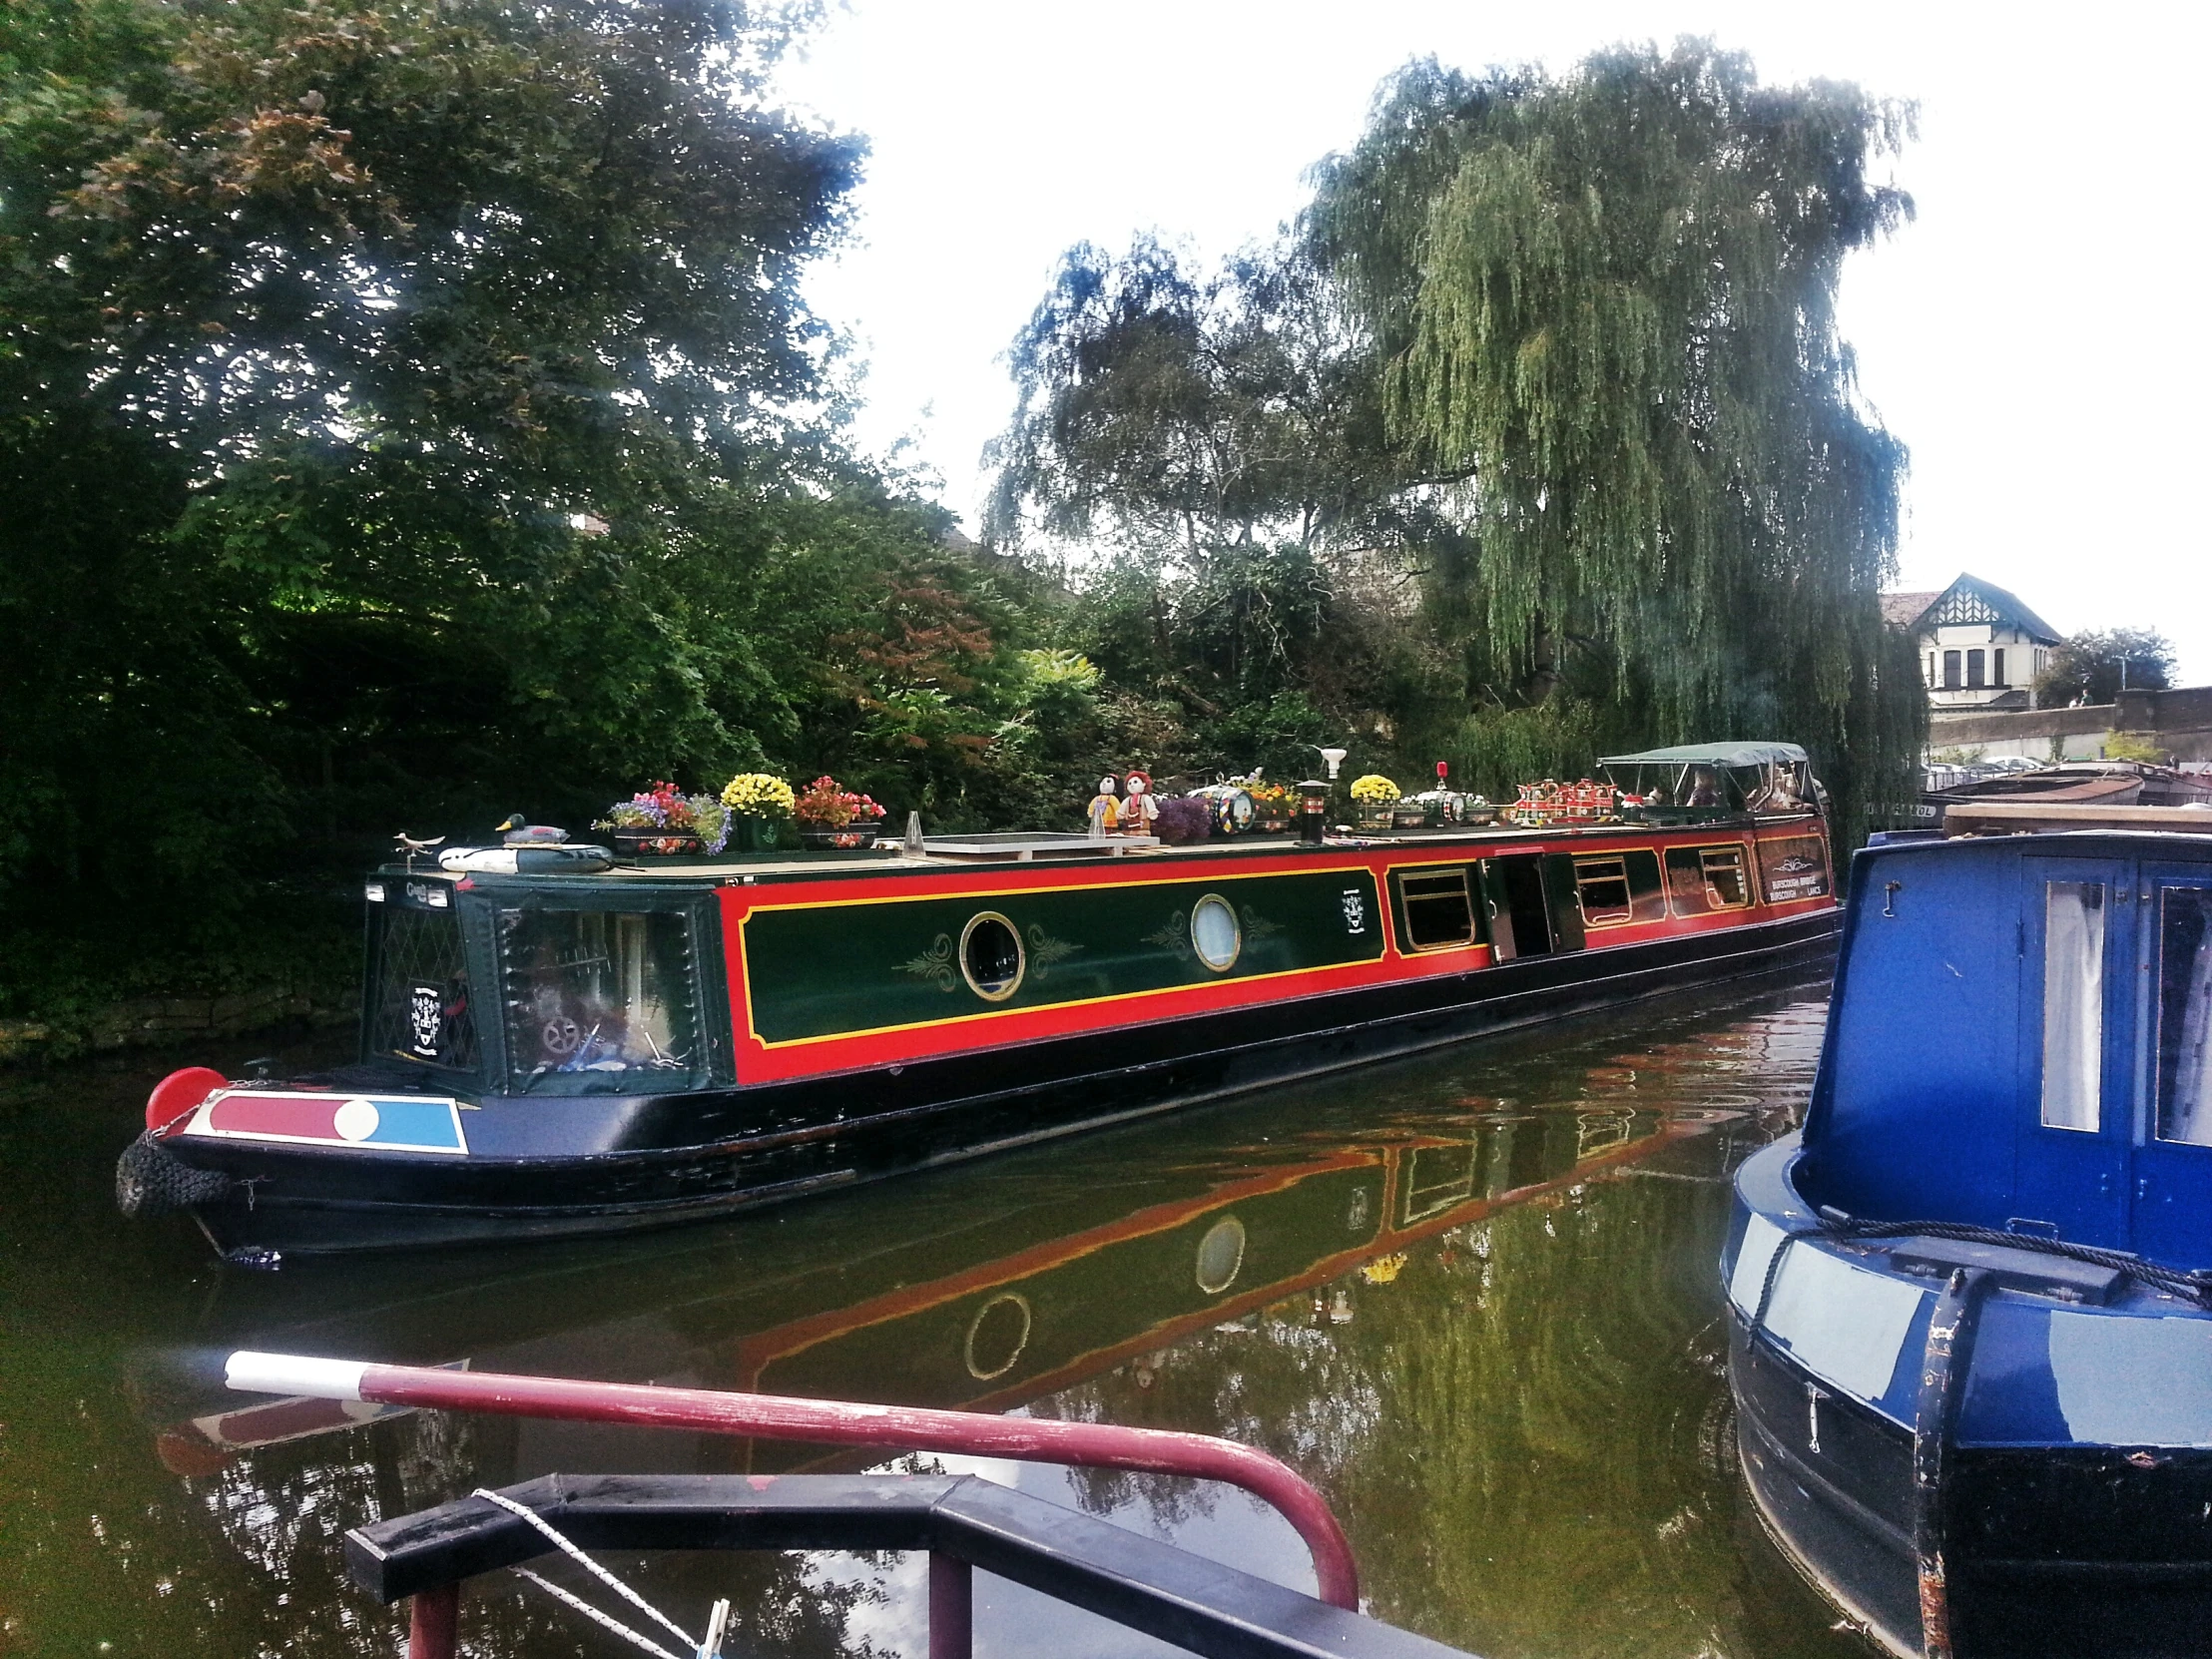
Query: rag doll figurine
x=1138, y=809
x=1105, y=811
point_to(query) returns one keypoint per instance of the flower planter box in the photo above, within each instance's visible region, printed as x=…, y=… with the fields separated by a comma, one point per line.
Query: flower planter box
x=835, y=837
x=650, y=840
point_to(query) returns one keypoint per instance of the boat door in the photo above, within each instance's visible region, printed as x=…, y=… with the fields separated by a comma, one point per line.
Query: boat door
x=1514, y=901
x=2076, y=1116
x=2173, y=1152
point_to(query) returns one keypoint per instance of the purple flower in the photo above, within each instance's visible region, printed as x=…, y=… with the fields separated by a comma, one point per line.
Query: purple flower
x=1183, y=819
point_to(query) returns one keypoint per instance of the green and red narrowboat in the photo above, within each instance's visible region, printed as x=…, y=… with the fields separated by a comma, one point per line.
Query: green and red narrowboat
x=596, y=1050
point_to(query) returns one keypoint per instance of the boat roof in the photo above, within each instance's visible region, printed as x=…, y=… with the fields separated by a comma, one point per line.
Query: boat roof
x=955, y=852
x=1713, y=755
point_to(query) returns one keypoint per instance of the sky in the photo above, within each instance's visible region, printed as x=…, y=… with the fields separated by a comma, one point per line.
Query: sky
x=2038, y=336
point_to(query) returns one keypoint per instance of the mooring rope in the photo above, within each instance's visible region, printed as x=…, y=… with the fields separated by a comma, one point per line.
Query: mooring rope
x=605, y=1577
x=605, y=1620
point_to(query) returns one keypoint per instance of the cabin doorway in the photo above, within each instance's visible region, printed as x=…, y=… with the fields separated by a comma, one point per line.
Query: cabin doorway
x=2173, y=1152
x=2078, y=1118
x=1519, y=910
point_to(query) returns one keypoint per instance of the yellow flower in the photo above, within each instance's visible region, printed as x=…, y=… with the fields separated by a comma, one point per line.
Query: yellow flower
x=1384, y=1268
x=757, y=794
x=1374, y=786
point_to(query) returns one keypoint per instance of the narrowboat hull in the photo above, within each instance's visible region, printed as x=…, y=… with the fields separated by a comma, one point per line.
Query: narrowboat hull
x=836, y=1033
x=300, y=1200
x=2064, y=1509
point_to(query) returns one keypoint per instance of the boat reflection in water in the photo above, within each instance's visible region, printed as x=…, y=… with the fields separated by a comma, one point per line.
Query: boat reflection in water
x=1160, y=1258
x=1476, y=1322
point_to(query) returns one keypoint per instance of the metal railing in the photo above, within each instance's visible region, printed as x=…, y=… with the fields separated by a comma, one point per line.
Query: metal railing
x=831, y=1422
x=964, y=1522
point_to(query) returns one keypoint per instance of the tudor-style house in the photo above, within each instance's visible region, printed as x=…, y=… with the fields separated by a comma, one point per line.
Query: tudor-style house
x=1979, y=647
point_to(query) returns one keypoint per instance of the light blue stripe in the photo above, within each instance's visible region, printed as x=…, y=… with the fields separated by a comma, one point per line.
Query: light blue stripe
x=414, y=1123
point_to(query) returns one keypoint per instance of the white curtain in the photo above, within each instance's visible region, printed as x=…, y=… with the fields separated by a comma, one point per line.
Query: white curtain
x=2073, y=1003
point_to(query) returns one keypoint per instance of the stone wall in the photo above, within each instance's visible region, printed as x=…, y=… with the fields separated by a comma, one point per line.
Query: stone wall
x=2179, y=722
x=162, y=1021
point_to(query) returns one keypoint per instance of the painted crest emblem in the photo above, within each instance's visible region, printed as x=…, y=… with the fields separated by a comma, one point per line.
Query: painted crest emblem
x=1355, y=910
x=425, y=1013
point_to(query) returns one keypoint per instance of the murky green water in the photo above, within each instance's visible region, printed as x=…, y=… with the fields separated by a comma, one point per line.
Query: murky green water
x=1473, y=1299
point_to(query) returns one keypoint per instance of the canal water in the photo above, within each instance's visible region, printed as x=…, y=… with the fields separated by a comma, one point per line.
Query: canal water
x=1471, y=1297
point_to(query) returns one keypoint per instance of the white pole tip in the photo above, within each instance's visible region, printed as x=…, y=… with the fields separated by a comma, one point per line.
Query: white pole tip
x=293, y=1374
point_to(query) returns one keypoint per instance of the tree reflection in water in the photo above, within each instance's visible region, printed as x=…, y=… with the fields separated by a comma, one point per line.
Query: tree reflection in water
x=1473, y=1297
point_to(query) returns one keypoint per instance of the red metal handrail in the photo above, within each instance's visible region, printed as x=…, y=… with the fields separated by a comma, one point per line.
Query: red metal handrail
x=830, y=1422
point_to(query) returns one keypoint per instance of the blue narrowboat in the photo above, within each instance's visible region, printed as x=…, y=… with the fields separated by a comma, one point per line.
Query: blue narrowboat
x=1971, y=1310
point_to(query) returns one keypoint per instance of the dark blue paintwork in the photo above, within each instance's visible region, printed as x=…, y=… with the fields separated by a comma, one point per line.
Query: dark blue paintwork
x=1928, y=1102
x=2078, y=1502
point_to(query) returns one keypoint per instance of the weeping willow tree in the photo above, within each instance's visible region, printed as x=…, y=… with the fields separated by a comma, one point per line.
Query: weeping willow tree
x=1605, y=305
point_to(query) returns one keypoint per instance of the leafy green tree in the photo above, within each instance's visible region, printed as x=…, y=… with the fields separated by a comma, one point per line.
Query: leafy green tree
x=408, y=414
x=1606, y=302
x=2093, y=666
x=1165, y=409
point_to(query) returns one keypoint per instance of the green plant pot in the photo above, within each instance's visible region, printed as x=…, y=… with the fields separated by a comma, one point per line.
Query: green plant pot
x=751, y=835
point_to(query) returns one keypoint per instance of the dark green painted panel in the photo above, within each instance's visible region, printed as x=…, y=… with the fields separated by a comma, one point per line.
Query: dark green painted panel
x=822, y=970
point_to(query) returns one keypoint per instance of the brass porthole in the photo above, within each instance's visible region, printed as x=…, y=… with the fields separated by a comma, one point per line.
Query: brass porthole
x=996, y=1336
x=1216, y=934
x=993, y=960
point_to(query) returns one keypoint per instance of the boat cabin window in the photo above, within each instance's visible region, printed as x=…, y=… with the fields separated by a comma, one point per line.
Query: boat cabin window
x=1602, y=886
x=1216, y=934
x=1437, y=911
x=419, y=1007
x=993, y=960
x=2073, y=1003
x=1704, y=879
x=1793, y=866
x=599, y=1000
x=2185, y=1015
x=1619, y=888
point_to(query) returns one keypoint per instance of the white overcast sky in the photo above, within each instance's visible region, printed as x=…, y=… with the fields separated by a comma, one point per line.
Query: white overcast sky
x=2039, y=337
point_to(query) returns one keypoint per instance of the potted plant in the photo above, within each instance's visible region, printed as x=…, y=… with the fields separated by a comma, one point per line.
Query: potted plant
x=1273, y=805
x=829, y=815
x=664, y=822
x=758, y=805
x=1375, y=796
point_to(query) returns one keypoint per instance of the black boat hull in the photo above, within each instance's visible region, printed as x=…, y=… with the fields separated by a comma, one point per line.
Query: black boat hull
x=2055, y=1551
x=658, y=1161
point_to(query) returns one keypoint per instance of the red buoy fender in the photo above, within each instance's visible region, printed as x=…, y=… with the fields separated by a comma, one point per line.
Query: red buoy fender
x=179, y=1093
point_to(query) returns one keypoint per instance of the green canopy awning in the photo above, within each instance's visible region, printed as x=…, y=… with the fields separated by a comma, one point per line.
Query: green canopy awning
x=1713, y=755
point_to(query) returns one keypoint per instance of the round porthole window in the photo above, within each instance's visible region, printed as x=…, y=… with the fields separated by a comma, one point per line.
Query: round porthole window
x=991, y=958
x=1215, y=934
x=996, y=1337
x=1221, y=1256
